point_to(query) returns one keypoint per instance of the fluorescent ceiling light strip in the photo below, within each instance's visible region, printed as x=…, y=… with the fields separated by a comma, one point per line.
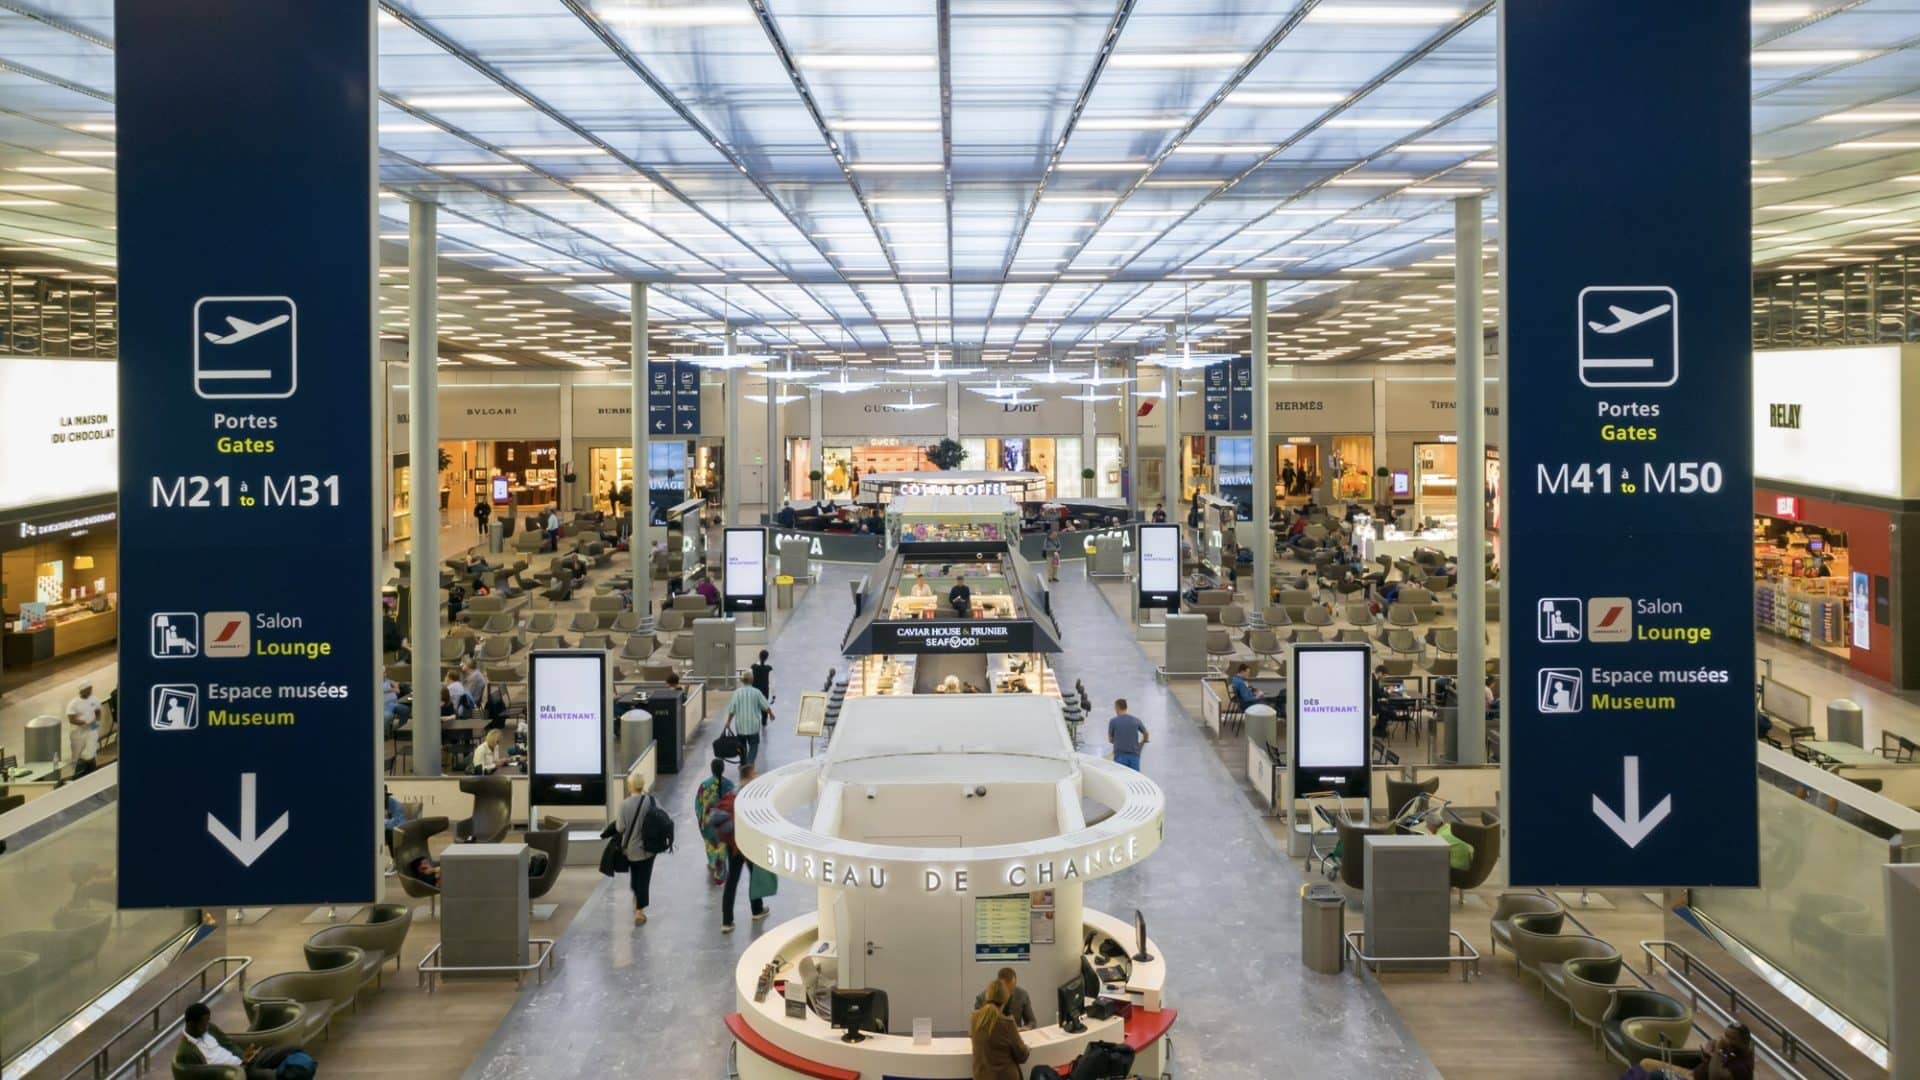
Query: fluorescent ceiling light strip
x=1806, y=57
x=445, y=102
x=883, y=124
x=867, y=62
x=1140, y=60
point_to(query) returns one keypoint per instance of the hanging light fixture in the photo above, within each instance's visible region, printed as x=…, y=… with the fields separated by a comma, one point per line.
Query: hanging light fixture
x=844, y=386
x=1186, y=359
x=935, y=371
x=727, y=359
x=790, y=373
x=912, y=405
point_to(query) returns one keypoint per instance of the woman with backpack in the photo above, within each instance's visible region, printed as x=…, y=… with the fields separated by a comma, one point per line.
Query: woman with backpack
x=633, y=813
x=705, y=798
x=722, y=821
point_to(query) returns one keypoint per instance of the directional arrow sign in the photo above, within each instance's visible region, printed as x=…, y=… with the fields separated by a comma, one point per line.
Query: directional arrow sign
x=249, y=844
x=1632, y=827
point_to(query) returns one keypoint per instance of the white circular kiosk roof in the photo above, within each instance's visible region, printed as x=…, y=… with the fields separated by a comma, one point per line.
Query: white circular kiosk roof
x=954, y=740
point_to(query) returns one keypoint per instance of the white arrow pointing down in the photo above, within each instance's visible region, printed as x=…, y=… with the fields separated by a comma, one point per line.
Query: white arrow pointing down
x=249, y=845
x=1632, y=827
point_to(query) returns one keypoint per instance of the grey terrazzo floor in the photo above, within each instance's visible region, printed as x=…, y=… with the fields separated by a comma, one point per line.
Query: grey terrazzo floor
x=1219, y=899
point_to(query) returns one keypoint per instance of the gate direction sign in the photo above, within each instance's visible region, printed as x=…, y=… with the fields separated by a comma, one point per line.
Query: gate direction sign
x=1626, y=673
x=251, y=706
x=673, y=398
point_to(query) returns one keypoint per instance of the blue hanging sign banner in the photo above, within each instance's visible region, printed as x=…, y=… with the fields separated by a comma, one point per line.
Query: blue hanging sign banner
x=1629, y=657
x=249, y=703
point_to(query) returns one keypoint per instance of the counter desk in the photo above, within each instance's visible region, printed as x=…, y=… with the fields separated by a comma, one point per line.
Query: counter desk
x=775, y=1046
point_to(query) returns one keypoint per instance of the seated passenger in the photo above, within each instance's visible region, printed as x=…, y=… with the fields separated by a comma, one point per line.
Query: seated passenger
x=708, y=590
x=786, y=518
x=920, y=586
x=1242, y=691
x=203, y=1044
x=960, y=597
x=1729, y=1057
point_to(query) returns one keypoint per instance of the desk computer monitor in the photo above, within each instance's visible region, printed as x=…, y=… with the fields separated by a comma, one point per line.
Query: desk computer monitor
x=1089, y=978
x=857, y=1011
x=1140, y=953
x=1073, y=1005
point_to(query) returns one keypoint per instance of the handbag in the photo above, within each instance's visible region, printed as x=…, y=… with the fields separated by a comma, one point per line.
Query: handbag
x=613, y=857
x=761, y=882
x=728, y=746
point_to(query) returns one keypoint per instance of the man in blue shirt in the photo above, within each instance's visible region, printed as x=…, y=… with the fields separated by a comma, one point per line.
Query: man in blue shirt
x=747, y=712
x=1243, y=692
x=1127, y=734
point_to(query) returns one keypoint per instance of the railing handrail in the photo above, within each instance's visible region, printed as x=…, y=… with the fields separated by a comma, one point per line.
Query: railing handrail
x=1791, y=1044
x=98, y=1061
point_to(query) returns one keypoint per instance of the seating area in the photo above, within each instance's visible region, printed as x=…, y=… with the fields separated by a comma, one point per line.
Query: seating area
x=580, y=597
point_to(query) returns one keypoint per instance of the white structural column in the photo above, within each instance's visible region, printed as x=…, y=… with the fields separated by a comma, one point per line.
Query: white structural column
x=1170, y=482
x=776, y=454
x=1131, y=399
x=423, y=423
x=730, y=455
x=1089, y=444
x=816, y=454
x=953, y=414
x=641, y=545
x=1261, y=535
x=1470, y=393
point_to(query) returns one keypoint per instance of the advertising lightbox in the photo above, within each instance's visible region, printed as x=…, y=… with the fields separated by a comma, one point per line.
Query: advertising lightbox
x=1159, y=551
x=1327, y=718
x=567, y=728
x=745, y=586
x=58, y=430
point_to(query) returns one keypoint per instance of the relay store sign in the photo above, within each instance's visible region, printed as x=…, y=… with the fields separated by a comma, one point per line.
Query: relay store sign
x=1831, y=418
x=249, y=708
x=59, y=430
x=1627, y=286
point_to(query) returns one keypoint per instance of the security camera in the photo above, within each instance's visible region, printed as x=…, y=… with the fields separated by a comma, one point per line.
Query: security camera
x=980, y=791
x=872, y=792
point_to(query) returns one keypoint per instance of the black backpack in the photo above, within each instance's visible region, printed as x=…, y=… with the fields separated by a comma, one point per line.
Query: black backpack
x=656, y=829
x=1104, y=1061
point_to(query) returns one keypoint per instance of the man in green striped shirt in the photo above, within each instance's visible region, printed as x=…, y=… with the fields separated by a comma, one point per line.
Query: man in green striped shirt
x=748, y=712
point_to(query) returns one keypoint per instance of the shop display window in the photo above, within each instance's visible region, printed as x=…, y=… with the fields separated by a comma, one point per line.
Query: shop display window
x=1111, y=458
x=609, y=471
x=1351, y=467
x=1802, y=583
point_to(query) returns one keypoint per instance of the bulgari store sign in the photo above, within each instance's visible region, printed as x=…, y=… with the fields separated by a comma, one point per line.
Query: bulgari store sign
x=482, y=411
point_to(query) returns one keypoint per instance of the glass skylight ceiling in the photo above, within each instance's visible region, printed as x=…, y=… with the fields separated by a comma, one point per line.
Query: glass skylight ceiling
x=880, y=179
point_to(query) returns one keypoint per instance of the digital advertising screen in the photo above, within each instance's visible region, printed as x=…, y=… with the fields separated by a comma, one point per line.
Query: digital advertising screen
x=744, y=588
x=501, y=493
x=567, y=728
x=1159, y=552
x=1328, y=706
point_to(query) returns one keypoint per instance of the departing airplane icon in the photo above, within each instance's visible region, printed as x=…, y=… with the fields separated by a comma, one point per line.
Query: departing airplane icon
x=1627, y=320
x=242, y=329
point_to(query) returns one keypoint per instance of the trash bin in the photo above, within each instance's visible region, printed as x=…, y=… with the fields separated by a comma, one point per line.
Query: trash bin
x=1323, y=923
x=783, y=591
x=1846, y=722
x=43, y=739
x=496, y=536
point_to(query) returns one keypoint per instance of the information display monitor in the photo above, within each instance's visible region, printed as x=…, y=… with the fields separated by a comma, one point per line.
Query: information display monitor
x=1327, y=712
x=744, y=588
x=1159, y=553
x=567, y=727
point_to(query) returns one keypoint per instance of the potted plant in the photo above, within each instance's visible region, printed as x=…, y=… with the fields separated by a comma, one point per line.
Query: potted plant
x=946, y=454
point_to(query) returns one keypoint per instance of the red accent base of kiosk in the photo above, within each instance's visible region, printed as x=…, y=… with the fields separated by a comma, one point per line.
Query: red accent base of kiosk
x=1142, y=1029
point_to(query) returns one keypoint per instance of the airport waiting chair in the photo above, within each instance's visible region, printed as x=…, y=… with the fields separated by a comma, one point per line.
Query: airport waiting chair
x=626, y=622
x=497, y=623
x=1446, y=666
x=1359, y=615
x=1353, y=851
x=1220, y=643
x=1306, y=635
x=655, y=672
x=379, y=936
x=1265, y=646
x=559, y=587
x=671, y=621
x=638, y=647
x=1645, y=1024
x=1550, y=961
x=1402, y=792
x=551, y=641
x=1403, y=645
x=1397, y=668
x=682, y=649
x=584, y=622
x=609, y=603
x=1481, y=830
x=1590, y=983
x=1316, y=615
x=602, y=642
x=1277, y=617
x=1233, y=617
x=551, y=839
x=1512, y=904
x=500, y=648
x=327, y=988
x=492, y=810
x=1444, y=639
x=1354, y=637
x=542, y=622
x=1402, y=616
x=452, y=649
